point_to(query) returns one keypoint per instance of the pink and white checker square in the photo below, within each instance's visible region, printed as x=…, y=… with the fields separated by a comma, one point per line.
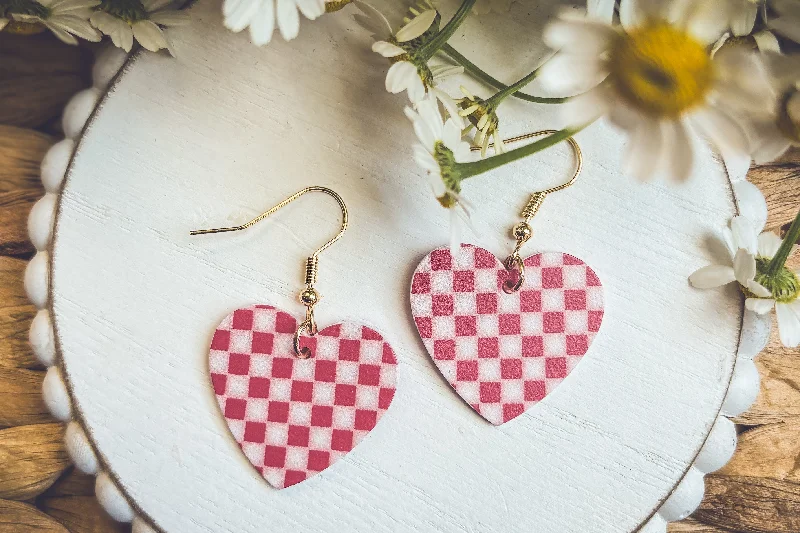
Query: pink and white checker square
x=295, y=417
x=503, y=353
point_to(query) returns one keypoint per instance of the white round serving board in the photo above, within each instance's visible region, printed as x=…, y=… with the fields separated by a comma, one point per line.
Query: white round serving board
x=226, y=130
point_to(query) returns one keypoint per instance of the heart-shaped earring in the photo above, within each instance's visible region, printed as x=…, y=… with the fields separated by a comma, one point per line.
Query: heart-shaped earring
x=297, y=399
x=504, y=335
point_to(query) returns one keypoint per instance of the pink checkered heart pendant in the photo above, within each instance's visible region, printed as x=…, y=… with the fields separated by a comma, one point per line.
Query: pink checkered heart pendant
x=295, y=417
x=504, y=352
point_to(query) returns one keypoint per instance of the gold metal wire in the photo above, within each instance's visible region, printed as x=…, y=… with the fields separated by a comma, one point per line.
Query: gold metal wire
x=292, y=198
x=308, y=296
x=522, y=232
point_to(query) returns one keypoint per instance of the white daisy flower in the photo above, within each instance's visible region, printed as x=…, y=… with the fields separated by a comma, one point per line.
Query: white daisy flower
x=737, y=15
x=261, y=16
x=787, y=21
x=124, y=21
x=655, y=80
x=440, y=146
x=484, y=7
x=67, y=19
x=751, y=253
x=409, y=72
x=777, y=129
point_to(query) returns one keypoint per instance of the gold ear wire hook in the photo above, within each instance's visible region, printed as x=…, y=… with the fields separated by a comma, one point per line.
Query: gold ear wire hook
x=522, y=231
x=308, y=296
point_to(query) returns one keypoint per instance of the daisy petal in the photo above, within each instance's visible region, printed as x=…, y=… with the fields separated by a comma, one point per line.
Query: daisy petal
x=449, y=105
x=311, y=9
x=288, y=19
x=170, y=17
x=424, y=159
x=387, y=49
x=744, y=234
x=768, y=244
x=758, y=289
x=789, y=323
x=451, y=133
x=585, y=108
x=399, y=75
x=429, y=113
x=751, y=204
x=241, y=13
x=416, y=89
x=712, y=276
x=572, y=73
x=645, y=145
x=75, y=25
x=583, y=37
x=372, y=20
x=771, y=148
x=767, y=42
x=723, y=132
x=64, y=36
x=263, y=24
x=72, y=5
x=149, y=35
x=744, y=18
x=229, y=6
x=762, y=306
x=678, y=155
x=744, y=266
x=417, y=26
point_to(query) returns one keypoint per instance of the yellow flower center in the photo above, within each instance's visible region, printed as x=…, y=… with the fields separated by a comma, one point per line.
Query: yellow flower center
x=661, y=70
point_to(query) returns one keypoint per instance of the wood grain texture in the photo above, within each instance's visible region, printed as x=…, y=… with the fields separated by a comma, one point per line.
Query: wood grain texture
x=690, y=525
x=751, y=504
x=39, y=76
x=18, y=517
x=33, y=457
x=15, y=316
x=21, y=398
x=779, y=399
x=72, y=483
x=780, y=183
x=259, y=118
x=769, y=451
x=81, y=514
x=21, y=153
x=14, y=208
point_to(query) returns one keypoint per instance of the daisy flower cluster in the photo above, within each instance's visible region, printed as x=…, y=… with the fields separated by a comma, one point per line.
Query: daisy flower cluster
x=123, y=21
x=669, y=74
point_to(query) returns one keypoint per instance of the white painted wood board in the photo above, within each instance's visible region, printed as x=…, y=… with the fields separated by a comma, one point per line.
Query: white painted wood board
x=225, y=131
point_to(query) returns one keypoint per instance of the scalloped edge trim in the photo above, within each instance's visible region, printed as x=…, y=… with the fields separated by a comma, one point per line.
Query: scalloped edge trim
x=717, y=449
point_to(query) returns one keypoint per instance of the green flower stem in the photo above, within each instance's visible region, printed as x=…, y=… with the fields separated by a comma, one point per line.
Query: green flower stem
x=514, y=88
x=467, y=170
x=486, y=78
x=778, y=262
x=441, y=38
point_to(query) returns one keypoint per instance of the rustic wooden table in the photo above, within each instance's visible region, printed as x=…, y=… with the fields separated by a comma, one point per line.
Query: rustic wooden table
x=758, y=491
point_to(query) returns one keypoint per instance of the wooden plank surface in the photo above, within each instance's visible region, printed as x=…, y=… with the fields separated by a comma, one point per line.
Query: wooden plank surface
x=757, y=491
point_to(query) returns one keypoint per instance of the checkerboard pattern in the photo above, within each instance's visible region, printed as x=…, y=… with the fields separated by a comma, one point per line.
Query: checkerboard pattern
x=295, y=417
x=503, y=353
